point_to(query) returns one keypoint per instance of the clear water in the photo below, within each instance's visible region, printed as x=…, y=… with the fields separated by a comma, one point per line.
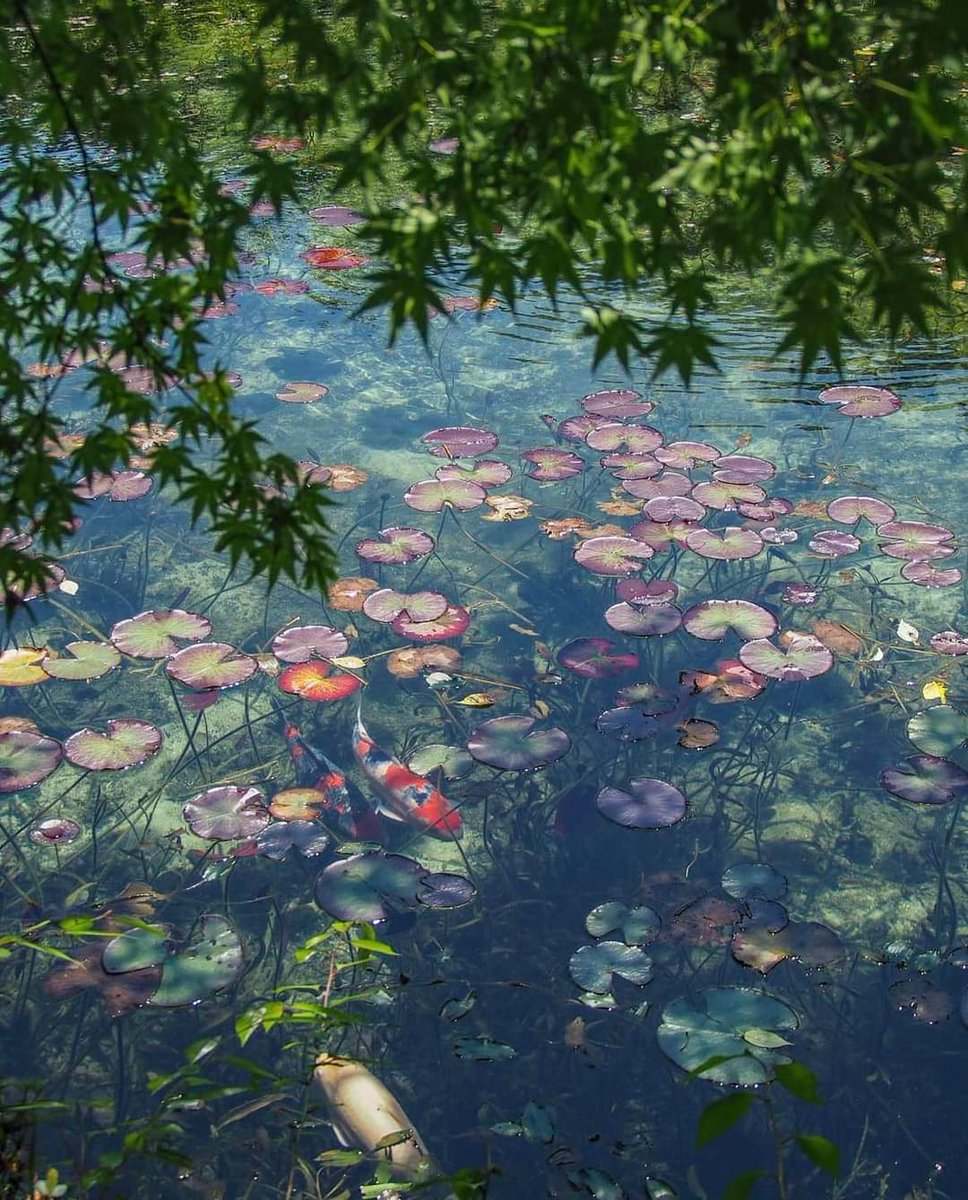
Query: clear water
x=792, y=781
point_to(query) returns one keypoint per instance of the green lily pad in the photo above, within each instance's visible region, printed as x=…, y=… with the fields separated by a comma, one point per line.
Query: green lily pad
x=453, y=761
x=592, y=967
x=483, y=1049
x=727, y=1023
x=638, y=925
x=213, y=961
x=89, y=660
x=356, y=888
x=939, y=730
x=136, y=948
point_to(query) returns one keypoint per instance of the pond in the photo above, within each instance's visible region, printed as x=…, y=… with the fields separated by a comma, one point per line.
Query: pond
x=686, y=665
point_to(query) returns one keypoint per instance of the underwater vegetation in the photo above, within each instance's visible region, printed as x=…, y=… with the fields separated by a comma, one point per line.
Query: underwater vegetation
x=622, y=756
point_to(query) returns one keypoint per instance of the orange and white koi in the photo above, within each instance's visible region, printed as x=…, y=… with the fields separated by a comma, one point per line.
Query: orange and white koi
x=406, y=796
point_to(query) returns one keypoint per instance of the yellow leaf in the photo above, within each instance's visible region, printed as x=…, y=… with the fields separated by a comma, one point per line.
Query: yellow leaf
x=540, y=708
x=18, y=668
x=352, y=661
x=935, y=689
x=476, y=700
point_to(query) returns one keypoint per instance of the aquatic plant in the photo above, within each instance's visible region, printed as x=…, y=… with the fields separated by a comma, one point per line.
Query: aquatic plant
x=227, y=812
x=127, y=743
x=648, y=804
x=512, y=743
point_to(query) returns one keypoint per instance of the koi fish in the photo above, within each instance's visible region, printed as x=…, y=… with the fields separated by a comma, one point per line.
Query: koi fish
x=367, y=1116
x=406, y=795
x=343, y=807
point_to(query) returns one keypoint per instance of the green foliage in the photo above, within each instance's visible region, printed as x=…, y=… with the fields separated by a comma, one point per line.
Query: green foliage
x=720, y=1116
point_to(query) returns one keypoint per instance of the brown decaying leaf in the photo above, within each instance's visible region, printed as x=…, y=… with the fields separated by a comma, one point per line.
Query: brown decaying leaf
x=837, y=637
x=121, y=993
x=409, y=661
x=697, y=735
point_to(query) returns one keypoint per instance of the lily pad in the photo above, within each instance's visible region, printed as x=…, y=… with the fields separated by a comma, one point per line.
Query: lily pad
x=754, y=881
x=386, y=605
x=55, y=831
x=513, y=744
x=596, y=658
x=277, y=839
x=459, y=441
x=359, y=888
x=483, y=1049
x=673, y=508
x=450, y=623
x=713, y=619
x=453, y=762
x=635, y=439
x=445, y=889
x=616, y=403
x=652, y=620
x=727, y=544
x=318, y=682
x=226, y=812
x=743, y=468
x=157, y=633
x=927, y=779
x=396, y=544
x=638, y=925
x=940, y=730
x=860, y=400
x=649, y=804
x=592, y=967
x=551, y=464
x=833, y=543
x=142, y=946
x=761, y=947
x=213, y=961
x=300, y=643
x=488, y=472
x=301, y=392
x=612, y=555
x=26, y=758
x=848, y=510
x=127, y=743
x=630, y=722
x=20, y=666
x=89, y=660
x=803, y=658
x=727, y=1022
x=433, y=495
x=210, y=665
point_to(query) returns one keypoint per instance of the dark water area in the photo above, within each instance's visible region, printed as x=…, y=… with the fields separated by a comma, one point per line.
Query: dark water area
x=723, y=835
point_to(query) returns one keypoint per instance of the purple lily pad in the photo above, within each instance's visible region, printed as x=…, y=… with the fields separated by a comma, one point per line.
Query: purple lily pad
x=549, y=464
x=661, y=535
x=859, y=400
x=617, y=403
x=926, y=779
x=576, y=429
x=359, y=888
x=917, y=554
x=803, y=658
x=306, y=837
x=925, y=575
x=397, y=544
x=650, y=620
x=914, y=533
x=632, y=466
x=445, y=889
x=209, y=665
x=683, y=456
x=848, y=510
x=761, y=947
x=227, y=813
x=636, y=439
x=26, y=758
x=631, y=724
x=743, y=468
x=730, y=543
x=336, y=216
x=301, y=643
x=949, y=641
x=488, y=472
x=833, y=543
x=771, y=508
x=386, y=605
x=596, y=658
x=713, y=619
x=153, y=634
x=513, y=744
x=670, y=483
x=649, y=804
x=800, y=594
x=726, y=496
x=127, y=743
x=450, y=623
x=673, y=508
x=778, y=537
x=459, y=441
x=642, y=594
x=56, y=831
x=432, y=495
x=302, y=391
x=612, y=555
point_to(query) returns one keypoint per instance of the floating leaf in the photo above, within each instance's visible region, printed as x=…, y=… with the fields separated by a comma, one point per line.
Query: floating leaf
x=55, y=831
x=596, y=658
x=483, y=1049
x=226, y=812
x=592, y=967
x=89, y=660
x=156, y=633
x=302, y=392
x=336, y=215
x=21, y=667
x=213, y=961
x=386, y=605
x=358, y=888
x=396, y=544
x=754, y=881
x=452, y=761
x=451, y=623
x=333, y=258
x=649, y=804
x=277, y=839
x=26, y=758
x=127, y=743
x=927, y=779
x=616, y=403
x=697, y=735
x=851, y=509
x=297, y=804
x=730, y=543
x=316, y=681
x=347, y=594
x=136, y=948
x=513, y=744
x=859, y=400
x=551, y=464
x=803, y=658
x=939, y=731
x=121, y=993
x=208, y=665
x=459, y=441
x=631, y=723
x=301, y=643
x=652, y=620
x=612, y=555
x=638, y=925
x=713, y=619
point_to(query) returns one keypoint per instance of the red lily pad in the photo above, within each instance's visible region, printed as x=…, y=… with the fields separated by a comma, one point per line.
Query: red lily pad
x=226, y=813
x=848, y=510
x=156, y=633
x=926, y=779
x=649, y=804
x=612, y=555
x=549, y=464
x=127, y=743
x=650, y=620
x=637, y=439
x=396, y=544
x=858, y=400
x=386, y=605
x=596, y=658
x=26, y=758
x=302, y=392
x=316, y=681
x=713, y=619
x=616, y=404
x=433, y=495
x=459, y=441
x=726, y=544
x=802, y=658
x=333, y=258
x=451, y=623
x=731, y=681
x=300, y=643
x=89, y=660
x=208, y=665
x=57, y=831
x=513, y=744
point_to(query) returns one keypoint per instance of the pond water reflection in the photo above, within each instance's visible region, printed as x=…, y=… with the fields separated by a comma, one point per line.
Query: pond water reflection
x=682, y=815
